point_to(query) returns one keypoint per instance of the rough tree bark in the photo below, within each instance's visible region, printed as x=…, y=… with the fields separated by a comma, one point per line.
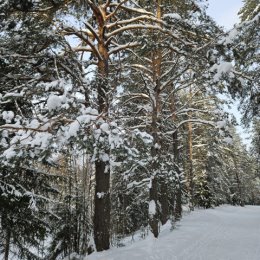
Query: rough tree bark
x=102, y=171
x=177, y=210
x=156, y=67
x=190, y=156
x=7, y=244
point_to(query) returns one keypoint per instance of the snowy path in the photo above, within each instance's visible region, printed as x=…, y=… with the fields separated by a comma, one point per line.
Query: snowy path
x=224, y=233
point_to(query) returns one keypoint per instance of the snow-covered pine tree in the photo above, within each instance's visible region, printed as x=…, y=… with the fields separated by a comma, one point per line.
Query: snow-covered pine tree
x=162, y=68
x=242, y=46
x=29, y=62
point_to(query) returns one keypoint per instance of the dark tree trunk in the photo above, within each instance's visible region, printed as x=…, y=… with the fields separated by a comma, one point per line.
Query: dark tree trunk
x=178, y=196
x=164, y=202
x=102, y=204
x=156, y=180
x=7, y=244
x=153, y=218
x=178, y=203
x=102, y=169
x=239, y=184
x=153, y=192
x=191, y=175
x=102, y=207
x=102, y=195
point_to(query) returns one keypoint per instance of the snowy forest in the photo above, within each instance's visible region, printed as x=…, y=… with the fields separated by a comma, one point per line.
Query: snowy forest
x=113, y=119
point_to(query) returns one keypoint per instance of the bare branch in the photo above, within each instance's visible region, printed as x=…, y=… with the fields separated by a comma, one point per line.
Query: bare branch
x=124, y=47
x=92, y=30
x=139, y=18
x=80, y=34
x=134, y=10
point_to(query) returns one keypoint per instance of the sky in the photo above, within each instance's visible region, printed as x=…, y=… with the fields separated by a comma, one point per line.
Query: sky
x=225, y=13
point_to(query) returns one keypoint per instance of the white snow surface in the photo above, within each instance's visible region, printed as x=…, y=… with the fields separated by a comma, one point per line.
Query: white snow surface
x=224, y=233
x=223, y=68
x=152, y=207
x=172, y=16
x=53, y=102
x=8, y=116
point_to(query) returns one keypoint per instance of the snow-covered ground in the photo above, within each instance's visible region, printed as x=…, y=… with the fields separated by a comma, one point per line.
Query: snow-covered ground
x=224, y=233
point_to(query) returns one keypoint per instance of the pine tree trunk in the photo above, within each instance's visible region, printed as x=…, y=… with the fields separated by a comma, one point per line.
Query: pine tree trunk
x=102, y=169
x=102, y=207
x=239, y=184
x=164, y=202
x=178, y=196
x=7, y=244
x=175, y=143
x=190, y=152
x=178, y=203
x=153, y=218
x=155, y=182
x=153, y=191
x=190, y=156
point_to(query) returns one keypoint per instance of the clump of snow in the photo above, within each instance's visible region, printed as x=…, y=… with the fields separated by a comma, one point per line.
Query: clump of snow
x=8, y=116
x=157, y=146
x=228, y=140
x=34, y=123
x=89, y=110
x=41, y=139
x=53, y=102
x=54, y=158
x=146, y=138
x=172, y=16
x=223, y=68
x=73, y=129
x=105, y=127
x=32, y=204
x=100, y=195
x=85, y=119
x=229, y=38
x=221, y=124
x=104, y=157
x=115, y=139
x=9, y=153
x=218, y=112
x=152, y=208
